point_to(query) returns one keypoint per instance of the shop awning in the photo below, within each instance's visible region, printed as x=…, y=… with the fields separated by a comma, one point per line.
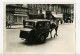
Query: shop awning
x=58, y=15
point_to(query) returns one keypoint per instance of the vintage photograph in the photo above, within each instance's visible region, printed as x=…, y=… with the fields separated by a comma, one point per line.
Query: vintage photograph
x=39, y=28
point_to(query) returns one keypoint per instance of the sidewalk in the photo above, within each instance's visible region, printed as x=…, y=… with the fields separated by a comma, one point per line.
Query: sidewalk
x=16, y=26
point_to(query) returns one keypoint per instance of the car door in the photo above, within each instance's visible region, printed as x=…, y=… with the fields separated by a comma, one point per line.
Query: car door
x=43, y=28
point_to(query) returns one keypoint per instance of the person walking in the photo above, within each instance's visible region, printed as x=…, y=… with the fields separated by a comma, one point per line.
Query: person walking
x=61, y=21
x=57, y=25
x=23, y=23
x=41, y=15
x=9, y=24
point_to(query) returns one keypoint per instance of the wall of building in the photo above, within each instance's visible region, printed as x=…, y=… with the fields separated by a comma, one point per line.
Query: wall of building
x=16, y=14
x=55, y=8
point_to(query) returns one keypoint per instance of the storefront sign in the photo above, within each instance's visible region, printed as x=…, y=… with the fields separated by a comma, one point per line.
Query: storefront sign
x=20, y=9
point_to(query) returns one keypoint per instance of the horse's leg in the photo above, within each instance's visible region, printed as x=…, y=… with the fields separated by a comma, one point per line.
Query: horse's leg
x=56, y=31
x=51, y=33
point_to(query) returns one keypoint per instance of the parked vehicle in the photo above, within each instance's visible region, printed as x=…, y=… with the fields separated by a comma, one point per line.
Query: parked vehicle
x=36, y=30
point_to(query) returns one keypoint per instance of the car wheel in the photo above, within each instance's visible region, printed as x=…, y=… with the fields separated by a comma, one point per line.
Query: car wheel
x=42, y=39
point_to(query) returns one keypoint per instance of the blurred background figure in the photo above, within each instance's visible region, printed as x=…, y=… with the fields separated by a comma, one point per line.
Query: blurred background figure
x=24, y=23
x=8, y=24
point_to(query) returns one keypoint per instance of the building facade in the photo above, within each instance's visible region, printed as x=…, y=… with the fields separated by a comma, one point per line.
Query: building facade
x=56, y=9
x=16, y=13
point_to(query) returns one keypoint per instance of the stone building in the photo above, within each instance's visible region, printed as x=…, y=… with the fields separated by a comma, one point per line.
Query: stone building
x=59, y=10
x=16, y=13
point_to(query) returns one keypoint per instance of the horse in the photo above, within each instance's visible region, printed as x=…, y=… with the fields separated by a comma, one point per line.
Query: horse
x=54, y=25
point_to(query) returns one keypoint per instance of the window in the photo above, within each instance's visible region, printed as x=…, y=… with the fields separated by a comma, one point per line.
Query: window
x=15, y=19
x=30, y=24
x=41, y=25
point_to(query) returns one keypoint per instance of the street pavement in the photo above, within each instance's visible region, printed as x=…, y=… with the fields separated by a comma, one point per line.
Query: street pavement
x=64, y=43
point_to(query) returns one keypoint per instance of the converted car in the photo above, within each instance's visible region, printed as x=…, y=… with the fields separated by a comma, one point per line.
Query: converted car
x=35, y=30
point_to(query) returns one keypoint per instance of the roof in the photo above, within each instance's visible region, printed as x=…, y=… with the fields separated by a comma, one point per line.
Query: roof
x=36, y=20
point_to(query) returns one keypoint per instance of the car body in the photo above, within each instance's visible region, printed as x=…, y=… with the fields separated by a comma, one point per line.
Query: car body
x=35, y=30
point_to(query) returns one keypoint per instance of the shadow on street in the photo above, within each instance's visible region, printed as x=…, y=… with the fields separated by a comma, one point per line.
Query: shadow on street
x=36, y=43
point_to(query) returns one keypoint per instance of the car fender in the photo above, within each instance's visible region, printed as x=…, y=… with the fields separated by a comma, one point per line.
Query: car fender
x=41, y=34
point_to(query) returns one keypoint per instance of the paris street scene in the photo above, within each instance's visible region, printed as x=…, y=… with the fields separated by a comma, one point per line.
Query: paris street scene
x=40, y=29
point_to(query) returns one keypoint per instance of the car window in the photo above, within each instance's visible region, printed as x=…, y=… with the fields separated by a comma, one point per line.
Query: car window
x=39, y=25
x=42, y=25
x=30, y=24
x=47, y=25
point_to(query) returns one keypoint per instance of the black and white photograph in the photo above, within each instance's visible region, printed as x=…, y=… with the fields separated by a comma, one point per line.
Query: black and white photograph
x=39, y=28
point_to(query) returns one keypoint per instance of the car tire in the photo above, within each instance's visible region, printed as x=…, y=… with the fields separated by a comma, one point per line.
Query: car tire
x=42, y=39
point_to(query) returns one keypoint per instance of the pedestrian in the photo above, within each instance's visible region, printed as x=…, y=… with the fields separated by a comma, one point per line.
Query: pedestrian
x=9, y=24
x=41, y=15
x=61, y=21
x=57, y=25
x=23, y=23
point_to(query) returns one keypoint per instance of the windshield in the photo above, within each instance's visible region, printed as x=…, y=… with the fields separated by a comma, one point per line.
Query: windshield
x=41, y=25
x=30, y=24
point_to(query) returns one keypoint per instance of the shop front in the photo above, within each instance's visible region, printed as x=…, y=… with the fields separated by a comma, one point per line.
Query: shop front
x=18, y=18
x=16, y=15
